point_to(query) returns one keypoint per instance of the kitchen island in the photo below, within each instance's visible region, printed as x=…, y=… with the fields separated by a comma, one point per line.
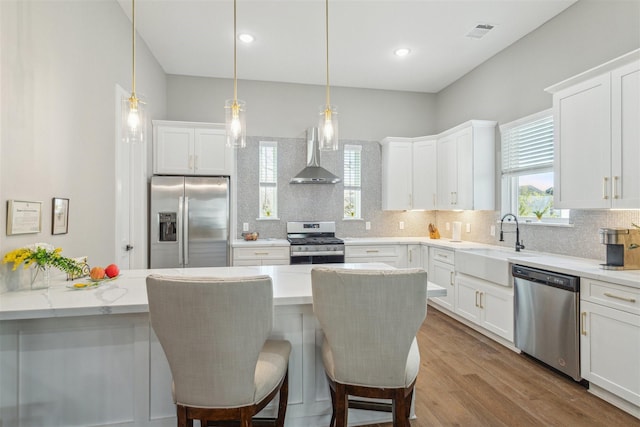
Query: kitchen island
x=89, y=357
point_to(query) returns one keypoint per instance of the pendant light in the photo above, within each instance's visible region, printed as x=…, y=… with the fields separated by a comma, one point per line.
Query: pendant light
x=328, y=125
x=133, y=111
x=235, y=109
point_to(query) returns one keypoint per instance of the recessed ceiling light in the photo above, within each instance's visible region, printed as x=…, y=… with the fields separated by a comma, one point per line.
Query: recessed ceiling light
x=246, y=38
x=403, y=51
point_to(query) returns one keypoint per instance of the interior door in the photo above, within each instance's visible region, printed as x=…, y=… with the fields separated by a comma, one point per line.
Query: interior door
x=130, y=207
x=206, y=205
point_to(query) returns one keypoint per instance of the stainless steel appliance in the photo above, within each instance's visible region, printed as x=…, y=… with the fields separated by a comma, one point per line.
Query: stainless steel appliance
x=314, y=173
x=546, y=317
x=189, y=222
x=314, y=243
x=623, y=248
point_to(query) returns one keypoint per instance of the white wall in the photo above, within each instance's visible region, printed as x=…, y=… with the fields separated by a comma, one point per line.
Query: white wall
x=60, y=65
x=287, y=110
x=511, y=84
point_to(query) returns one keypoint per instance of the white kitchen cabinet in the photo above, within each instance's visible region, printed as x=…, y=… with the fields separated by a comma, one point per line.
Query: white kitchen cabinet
x=408, y=173
x=188, y=148
x=414, y=256
x=596, y=137
x=466, y=167
x=610, y=338
x=261, y=255
x=442, y=273
x=393, y=255
x=485, y=304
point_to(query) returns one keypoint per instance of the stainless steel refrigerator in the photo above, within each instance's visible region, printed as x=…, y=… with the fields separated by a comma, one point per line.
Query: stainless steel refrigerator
x=189, y=222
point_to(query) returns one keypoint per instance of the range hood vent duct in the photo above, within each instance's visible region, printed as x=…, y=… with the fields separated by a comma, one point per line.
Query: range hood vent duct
x=314, y=173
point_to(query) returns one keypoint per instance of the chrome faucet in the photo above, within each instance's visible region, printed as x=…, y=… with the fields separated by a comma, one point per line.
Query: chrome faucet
x=519, y=244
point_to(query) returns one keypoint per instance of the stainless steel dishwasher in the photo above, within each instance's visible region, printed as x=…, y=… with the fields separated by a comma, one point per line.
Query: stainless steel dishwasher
x=546, y=317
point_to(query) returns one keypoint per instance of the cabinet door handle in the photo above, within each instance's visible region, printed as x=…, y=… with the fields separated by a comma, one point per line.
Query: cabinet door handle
x=607, y=294
x=261, y=253
x=476, y=301
x=410, y=254
x=604, y=187
x=451, y=282
x=434, y=199
x=481, y=293
x=191, y=161
x=455, y=197
x=583, y=331
x=372, y=251
x=615, y=186
x=197, y=162
x=410, y=200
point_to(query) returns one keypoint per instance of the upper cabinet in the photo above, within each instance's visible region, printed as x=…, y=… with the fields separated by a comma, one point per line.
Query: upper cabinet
x=188, y=148
x=466, y=167
x=597, y=137
x=408, y=173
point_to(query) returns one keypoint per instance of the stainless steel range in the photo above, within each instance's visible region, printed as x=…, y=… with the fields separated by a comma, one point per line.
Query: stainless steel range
x=314, y=243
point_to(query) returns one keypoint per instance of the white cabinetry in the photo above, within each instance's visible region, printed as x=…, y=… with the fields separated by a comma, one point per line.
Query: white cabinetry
x=466, y=167
x=414, y=256
x=408, y=173
x=596, y=137
x=442, y=273
x=485, y=304
x=610, y=339
x=261, y=255
x=188, y=148
x=393, y=255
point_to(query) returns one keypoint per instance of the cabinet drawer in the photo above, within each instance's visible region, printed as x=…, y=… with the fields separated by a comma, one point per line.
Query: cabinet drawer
x=371, y=251
x=611, y=295
x=443, y=255
x=265, y=252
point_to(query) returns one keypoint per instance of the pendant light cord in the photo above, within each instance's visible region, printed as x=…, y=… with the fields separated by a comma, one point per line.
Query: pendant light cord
x=235, y=60
x=133, y=50
x=327, y=40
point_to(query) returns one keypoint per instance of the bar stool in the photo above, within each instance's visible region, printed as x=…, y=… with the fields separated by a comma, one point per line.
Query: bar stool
x=370, y=319
x=214, y=333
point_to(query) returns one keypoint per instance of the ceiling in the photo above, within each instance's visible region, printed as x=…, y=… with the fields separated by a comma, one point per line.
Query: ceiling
x=195, y=38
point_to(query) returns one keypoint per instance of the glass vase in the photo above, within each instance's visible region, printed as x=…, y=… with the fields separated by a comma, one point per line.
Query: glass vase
x=40, y=277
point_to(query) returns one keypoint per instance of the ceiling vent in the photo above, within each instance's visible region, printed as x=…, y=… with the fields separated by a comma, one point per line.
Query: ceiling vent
x=479, y=31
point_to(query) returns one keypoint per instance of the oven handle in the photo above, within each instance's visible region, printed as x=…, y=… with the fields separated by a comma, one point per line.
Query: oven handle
x=320, y=253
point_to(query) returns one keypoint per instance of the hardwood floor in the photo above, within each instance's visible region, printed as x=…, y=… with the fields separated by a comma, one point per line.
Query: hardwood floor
x=467, y=379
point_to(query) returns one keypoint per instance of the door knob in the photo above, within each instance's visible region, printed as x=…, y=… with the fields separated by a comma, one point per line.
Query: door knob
x=128, y=247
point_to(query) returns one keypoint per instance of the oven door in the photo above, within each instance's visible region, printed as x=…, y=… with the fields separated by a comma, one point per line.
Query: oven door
x=317, y=259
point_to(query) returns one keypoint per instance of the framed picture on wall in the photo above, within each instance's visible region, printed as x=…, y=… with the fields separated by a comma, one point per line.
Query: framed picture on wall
x=60, y=216
x=23, y=217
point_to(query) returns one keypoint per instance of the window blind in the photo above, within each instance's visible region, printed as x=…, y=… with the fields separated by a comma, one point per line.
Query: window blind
x=527, y=144
x=268, y=162
x=352, y=165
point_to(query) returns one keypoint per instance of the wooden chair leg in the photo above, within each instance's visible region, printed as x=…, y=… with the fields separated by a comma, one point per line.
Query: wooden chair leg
x=282, y=401
x=400, y=411
x=333, y=405
x=341, y=405
x=408, y=401
x=246, y=419
x=181, y=412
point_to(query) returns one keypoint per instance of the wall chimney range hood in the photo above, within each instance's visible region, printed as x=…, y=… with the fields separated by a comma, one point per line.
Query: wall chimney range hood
x=314, y=173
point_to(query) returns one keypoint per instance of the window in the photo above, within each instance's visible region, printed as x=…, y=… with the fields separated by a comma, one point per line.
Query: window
x=268, y=179
x=352, y=184
x=527, y=169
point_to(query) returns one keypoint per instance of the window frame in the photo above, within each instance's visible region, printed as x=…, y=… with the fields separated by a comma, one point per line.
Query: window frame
x=511, y=174
x=271, y=184
x=352, y=181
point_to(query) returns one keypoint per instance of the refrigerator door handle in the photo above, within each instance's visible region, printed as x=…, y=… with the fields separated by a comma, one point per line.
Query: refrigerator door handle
x=185, y=244
x=180, y=229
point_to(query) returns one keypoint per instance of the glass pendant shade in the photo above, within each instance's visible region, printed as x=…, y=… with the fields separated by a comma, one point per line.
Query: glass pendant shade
x=133, y=120
x=235, y=114
x=328, y=127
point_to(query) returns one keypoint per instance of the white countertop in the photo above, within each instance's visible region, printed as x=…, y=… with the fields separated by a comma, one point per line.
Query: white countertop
x=241, y=243
x=444, y=243
x=128, y=294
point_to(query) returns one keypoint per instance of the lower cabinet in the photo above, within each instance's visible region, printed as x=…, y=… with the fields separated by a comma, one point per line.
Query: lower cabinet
x=393, y=255
x=261, y=255
x=610, y=338
x=442, y=273
x=485, y=304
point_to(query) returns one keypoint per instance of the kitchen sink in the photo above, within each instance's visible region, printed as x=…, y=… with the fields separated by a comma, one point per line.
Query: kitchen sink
x=490, y=264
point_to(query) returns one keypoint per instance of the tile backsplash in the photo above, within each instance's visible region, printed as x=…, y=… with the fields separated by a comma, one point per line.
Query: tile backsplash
x=313, y=202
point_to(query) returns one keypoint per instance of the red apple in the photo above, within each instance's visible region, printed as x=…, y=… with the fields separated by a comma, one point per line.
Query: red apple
x=112, y=270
